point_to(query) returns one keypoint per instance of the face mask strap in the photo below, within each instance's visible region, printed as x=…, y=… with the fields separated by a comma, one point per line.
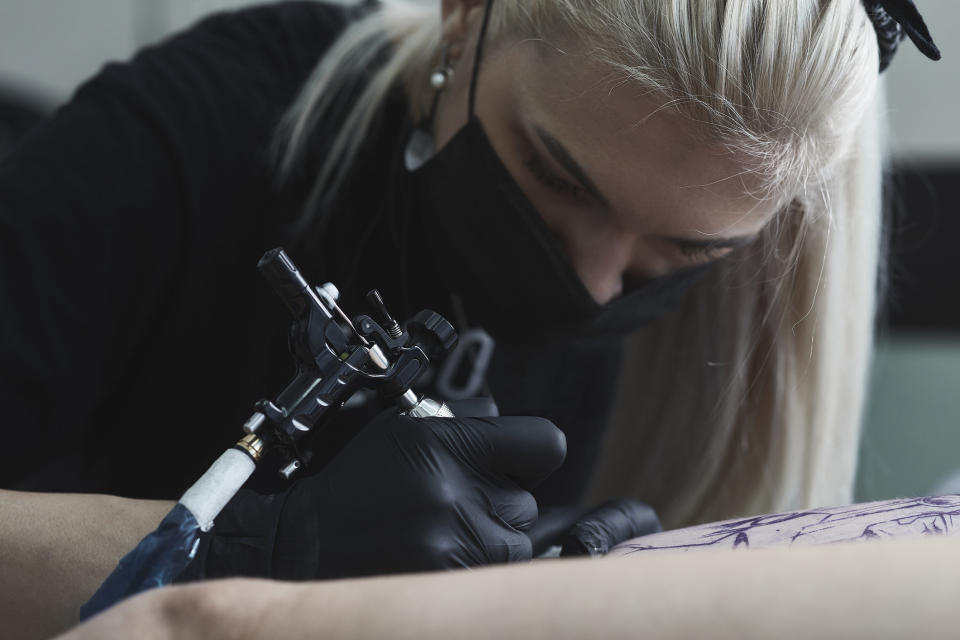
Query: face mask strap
x=477, y=57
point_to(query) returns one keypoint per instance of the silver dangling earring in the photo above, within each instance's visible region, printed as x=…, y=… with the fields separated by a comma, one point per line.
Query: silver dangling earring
x=443, y=74
x=420, y=146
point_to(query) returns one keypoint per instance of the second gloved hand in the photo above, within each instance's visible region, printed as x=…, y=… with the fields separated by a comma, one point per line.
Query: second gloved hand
x=593, y=532
x=406, y=494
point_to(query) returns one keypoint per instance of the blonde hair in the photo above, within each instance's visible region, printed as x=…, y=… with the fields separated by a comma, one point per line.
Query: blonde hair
x=749, y=398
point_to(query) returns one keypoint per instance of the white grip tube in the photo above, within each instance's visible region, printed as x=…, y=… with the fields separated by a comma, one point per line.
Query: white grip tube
x=211, y=493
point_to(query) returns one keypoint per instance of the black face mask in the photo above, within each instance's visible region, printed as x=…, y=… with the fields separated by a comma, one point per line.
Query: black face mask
x=495, y=252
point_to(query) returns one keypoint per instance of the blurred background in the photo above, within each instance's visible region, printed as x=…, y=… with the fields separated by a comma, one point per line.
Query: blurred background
x=911, y=442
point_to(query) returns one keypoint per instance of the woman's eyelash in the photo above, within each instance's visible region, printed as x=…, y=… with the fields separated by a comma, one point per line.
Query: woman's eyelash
x=703, y=252
x=550, y=180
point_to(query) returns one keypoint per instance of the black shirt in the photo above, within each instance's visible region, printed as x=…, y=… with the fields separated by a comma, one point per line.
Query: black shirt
x=135, y=330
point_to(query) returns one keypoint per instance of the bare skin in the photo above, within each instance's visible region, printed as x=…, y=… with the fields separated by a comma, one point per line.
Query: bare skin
x=56, y=549
x=891, y=589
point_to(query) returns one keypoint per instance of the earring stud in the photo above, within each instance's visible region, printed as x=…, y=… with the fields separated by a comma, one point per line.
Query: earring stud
x=443, y=74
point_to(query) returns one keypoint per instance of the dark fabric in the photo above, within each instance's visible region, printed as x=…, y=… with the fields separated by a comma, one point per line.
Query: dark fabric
x=922, y=231
x=19, y=114
x=135, y=330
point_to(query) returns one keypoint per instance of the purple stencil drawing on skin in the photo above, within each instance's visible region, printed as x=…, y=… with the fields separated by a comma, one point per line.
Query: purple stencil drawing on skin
x=937, y=516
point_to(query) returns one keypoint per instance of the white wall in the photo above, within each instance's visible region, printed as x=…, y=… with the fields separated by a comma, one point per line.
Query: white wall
x=47, y=47
x=924, y=96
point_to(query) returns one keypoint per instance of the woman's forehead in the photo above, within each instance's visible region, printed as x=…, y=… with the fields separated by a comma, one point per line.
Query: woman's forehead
x=638, y=151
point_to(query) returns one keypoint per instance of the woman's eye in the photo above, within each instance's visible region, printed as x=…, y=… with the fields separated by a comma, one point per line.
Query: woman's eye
x=701, y=253
x=551, y=181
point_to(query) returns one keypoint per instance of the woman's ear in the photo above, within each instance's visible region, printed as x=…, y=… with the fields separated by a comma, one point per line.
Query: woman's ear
x=458, y=15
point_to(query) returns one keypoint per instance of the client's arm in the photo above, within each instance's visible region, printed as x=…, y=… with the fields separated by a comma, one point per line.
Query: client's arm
x=887, y=589
x=56, y=549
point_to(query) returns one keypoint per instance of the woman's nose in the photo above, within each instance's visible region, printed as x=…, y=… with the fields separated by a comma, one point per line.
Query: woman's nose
x=602, y=259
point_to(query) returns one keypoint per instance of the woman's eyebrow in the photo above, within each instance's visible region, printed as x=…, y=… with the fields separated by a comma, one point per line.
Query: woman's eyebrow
x=563, y=157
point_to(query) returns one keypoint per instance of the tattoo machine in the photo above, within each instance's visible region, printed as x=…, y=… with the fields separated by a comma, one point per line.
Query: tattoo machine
x=336, y=356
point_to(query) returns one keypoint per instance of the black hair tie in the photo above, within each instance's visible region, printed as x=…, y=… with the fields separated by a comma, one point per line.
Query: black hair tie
x=893, y=19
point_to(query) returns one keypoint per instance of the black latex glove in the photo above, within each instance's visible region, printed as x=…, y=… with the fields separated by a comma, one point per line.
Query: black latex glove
x=406, y=494
x=579, y=531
